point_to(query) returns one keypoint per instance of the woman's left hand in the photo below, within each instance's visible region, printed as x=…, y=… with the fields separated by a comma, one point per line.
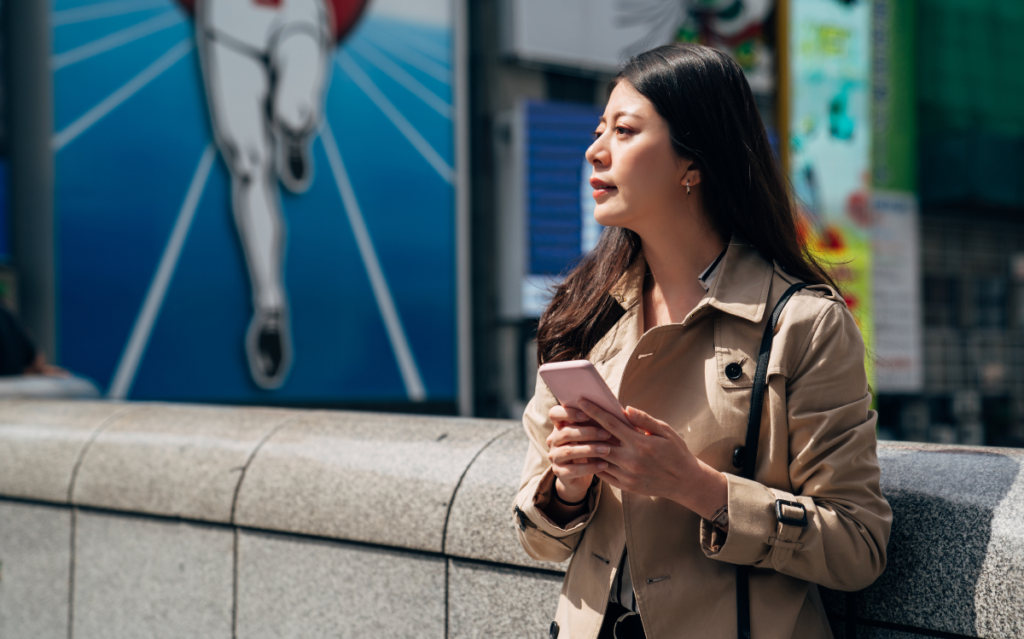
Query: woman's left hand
x=652, y=459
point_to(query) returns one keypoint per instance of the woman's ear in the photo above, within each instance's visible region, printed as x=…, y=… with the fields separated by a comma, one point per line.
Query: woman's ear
x=692, y=175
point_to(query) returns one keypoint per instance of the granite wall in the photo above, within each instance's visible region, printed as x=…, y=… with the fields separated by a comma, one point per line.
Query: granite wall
x=155, y=520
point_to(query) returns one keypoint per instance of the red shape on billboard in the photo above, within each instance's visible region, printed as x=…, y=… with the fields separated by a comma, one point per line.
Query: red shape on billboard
x=344, y=13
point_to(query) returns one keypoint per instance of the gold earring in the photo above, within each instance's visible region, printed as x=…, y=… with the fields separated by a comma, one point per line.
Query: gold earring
x=687, y=187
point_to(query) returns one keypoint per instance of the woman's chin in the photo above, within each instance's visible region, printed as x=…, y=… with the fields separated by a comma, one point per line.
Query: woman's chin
x=610, y=218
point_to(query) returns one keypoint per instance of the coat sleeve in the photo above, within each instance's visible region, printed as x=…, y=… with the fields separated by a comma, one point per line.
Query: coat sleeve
x=543, y=539
x=833, y=472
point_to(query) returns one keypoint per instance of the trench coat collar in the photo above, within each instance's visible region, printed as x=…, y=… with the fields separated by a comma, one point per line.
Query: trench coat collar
x=743, y=281
x=740, y=286
x=628, y=288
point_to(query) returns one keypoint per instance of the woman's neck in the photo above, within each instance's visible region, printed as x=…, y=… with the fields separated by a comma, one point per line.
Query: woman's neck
x=676, y=254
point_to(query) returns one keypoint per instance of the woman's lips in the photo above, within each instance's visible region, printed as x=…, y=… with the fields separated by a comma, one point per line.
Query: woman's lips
x=601, y=188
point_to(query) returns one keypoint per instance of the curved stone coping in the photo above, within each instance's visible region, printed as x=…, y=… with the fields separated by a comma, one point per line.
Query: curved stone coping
x=376, y=478
x=173, y=460
x=956, y=553
x=481, y=524
x=42, y=441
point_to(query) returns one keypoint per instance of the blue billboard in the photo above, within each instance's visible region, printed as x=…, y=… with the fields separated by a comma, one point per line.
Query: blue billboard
x=256, y=199
x=559, y=207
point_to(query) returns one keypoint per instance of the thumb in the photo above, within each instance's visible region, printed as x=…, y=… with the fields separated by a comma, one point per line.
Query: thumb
x=644, y=422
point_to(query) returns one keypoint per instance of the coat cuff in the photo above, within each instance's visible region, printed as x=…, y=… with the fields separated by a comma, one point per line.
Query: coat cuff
x=752, y=523
x=536, y=499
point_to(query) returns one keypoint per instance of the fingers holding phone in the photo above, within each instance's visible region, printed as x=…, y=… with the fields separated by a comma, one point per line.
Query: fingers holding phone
x=574, y=446
x=577, y=443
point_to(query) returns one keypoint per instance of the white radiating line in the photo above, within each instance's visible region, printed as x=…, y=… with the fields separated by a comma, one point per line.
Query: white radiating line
x=373, y=55
x=116, y=39
x=412, y=57
x=124, y=377
x=392, y=323
x=439, y=52
x=418, y=141
x=114, y=100
x=104, y=10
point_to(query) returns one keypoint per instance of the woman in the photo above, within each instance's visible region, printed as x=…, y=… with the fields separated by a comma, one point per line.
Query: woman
x=671, y=307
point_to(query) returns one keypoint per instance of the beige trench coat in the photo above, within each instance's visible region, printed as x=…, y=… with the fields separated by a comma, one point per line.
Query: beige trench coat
x=817, y=447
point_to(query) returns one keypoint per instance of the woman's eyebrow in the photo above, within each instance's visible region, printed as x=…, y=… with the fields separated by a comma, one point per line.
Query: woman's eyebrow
x=618, y=114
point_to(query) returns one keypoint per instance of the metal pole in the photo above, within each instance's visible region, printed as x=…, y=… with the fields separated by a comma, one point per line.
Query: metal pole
x=464, y=287
x=782, y=81
x=29, y=129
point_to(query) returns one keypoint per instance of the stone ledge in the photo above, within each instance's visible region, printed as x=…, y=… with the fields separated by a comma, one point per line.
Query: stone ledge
x=956, y=554
x=41, y=441
x=481, y=524
x=956, y=557
x=173, y=460
x=382, y=479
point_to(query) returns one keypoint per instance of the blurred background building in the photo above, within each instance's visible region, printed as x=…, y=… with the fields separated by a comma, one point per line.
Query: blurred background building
x=364, y=204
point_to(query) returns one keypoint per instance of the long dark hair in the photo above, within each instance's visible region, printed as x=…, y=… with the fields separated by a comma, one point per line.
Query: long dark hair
x=713, y=121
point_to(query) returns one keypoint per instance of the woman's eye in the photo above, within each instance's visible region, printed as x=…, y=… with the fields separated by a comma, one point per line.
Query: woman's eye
x=622, y=130
x=596, y=134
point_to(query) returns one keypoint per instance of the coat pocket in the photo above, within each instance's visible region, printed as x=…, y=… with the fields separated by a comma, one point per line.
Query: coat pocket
x=736, y=344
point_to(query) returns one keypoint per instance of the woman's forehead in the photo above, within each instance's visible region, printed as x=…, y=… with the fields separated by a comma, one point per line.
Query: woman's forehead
x=627, y=101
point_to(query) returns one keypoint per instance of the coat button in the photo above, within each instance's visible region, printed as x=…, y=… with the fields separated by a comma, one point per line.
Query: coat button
x=734, y=371
x=737, y=456
x=553, y=630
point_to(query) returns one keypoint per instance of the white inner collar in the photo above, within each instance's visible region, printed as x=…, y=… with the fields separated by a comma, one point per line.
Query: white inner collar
x=708, y=276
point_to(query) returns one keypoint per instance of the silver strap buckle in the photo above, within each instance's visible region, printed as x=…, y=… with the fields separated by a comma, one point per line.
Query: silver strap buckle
x=615, y=628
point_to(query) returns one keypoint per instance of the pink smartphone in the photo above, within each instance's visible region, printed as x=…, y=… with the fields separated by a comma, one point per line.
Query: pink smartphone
x=576, y=379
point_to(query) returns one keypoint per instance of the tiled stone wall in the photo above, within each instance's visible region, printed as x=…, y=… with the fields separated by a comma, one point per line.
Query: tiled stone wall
x=130, y=520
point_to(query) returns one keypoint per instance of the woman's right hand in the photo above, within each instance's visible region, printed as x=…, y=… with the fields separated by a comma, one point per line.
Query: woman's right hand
x=575, y=447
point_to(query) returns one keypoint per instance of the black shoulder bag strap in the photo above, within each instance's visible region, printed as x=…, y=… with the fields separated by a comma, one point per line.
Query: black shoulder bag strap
x=749, y=455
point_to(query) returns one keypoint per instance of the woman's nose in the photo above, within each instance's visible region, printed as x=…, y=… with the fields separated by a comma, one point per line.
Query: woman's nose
x=596, y=153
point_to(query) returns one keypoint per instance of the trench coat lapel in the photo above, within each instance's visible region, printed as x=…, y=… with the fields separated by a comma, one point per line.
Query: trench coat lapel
x=741, y=286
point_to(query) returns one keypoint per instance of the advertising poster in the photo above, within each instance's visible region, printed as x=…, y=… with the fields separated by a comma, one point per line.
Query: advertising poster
x=560, y=225
x=598, y=35
x=830, y=141
x=897, y=257
x=897, y=293
x=256, y=198
x=740, y=29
